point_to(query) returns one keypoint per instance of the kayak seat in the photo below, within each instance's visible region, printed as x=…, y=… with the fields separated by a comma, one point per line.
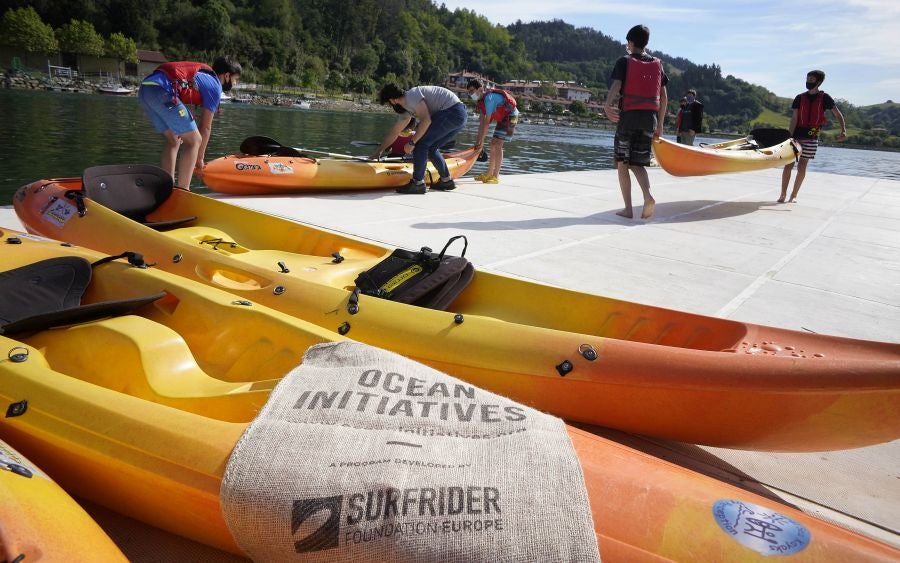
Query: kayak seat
x=133, y=190
x=769, y=137
x=48, y=294
x=148, y=360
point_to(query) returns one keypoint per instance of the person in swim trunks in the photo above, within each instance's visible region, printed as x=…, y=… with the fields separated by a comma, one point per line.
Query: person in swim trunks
x=637, y=102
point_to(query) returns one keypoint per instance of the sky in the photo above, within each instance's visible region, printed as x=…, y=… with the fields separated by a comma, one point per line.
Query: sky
x=771, y=43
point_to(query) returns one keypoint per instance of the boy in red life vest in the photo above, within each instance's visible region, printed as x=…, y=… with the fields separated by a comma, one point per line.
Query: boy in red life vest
x=806, y=121
x=496, y=106
x=640, y=114
x=398, y=147
x=164, y=95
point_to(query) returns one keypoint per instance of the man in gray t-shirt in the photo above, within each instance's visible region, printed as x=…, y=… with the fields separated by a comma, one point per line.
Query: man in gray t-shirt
x=441, y=117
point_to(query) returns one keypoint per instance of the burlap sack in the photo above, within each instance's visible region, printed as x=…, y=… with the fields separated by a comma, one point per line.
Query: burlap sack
x=363, y=455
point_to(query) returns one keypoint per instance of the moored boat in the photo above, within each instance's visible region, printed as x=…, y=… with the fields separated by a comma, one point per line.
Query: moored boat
x=686, y=160
x=114, y=89
x=146, y=423
x=594, y=359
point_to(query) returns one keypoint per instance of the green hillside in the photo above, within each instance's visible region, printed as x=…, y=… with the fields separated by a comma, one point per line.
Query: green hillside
x=356, y=46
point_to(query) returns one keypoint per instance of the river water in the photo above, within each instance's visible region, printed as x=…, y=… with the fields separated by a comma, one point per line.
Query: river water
x=56, y=134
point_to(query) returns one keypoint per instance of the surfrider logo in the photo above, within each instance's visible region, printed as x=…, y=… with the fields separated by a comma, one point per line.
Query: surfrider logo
x=391, y=512
x=326, y=536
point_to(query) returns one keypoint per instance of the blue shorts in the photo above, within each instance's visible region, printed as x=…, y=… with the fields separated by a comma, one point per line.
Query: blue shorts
x=165, y=114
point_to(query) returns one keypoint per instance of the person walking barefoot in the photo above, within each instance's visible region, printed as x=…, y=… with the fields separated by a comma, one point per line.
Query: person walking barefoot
x=806, y=121
x=640, y=113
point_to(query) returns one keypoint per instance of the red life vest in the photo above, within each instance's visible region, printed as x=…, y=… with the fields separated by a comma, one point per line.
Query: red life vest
x=811, y=114
x=181, y=74
x=643, y=81
x=504, y=109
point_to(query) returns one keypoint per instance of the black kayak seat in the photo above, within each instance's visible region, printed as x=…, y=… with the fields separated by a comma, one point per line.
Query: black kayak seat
x=48, y=294
x=133, y=190
x=769, y=137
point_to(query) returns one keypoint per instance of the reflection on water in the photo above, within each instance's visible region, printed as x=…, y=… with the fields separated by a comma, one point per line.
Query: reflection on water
x=53, y=134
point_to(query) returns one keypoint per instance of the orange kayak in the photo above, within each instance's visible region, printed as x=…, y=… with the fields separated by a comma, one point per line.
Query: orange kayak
x=145, y=423
x=252, y=175
x=588, y=358
x=686, y=160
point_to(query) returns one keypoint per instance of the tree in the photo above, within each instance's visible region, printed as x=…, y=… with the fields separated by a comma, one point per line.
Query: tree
x=80, y=37
x=121, y=48
x=23, y=28
x=578, y=108
x=272, y=77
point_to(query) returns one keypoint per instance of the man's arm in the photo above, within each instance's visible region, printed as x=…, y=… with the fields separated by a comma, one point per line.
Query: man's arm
x=840, y=117
x=483, y=123
x=609, y=106
x=661, y=112
x=205, y=127
x=793, y=124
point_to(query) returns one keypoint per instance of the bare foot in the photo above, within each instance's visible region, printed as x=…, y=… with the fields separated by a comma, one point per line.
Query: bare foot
x=793, y=200
x=649, y=205
x=781, y=199
x=625, y=213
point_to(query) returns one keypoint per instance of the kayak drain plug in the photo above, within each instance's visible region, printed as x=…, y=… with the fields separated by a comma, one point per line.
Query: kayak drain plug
x=588, y=352
x=344, y=328
x=564, y=368
x=458, y=318
x=353, y=302
x=17, y=409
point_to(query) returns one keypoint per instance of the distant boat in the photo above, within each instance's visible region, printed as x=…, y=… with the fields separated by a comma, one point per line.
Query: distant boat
x=225, y=98
x=301, y=104
x=114, y=89
x=241, y=99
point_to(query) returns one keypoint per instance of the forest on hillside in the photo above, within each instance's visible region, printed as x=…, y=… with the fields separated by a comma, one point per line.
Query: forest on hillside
x=356, y=45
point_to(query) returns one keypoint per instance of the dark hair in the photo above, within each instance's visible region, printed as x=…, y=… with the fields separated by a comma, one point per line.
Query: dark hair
x=224, y=64
x=474, y=83
x=639, y=35
x=820, y=76
x=390, y=92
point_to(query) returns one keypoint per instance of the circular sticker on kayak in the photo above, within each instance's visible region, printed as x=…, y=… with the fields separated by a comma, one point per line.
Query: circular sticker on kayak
x=761, y=529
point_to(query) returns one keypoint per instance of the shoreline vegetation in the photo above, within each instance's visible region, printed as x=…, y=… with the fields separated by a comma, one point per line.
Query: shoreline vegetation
x=294, y=97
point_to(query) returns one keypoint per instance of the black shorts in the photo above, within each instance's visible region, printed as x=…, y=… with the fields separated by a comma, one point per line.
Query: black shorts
x=633, y=146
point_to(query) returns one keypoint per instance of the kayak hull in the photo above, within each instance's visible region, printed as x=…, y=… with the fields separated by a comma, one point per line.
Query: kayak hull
x=653, y=371
x=254, y=175
x=138, y=425
x=686, y=160
x=40, y=521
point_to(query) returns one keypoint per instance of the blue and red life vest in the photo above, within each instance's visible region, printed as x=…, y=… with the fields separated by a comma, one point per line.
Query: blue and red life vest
x=811, y=113
x=506, y=108
x=643, y=81
x=181, y=74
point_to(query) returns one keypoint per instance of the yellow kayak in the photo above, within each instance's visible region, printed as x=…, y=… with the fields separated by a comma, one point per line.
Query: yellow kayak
x=582, y=357
x=272, y=174
x=39, y=521
x=685, y=160
x=139, y=410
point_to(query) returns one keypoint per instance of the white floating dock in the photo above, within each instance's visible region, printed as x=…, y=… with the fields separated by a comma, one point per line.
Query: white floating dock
x=716, y=245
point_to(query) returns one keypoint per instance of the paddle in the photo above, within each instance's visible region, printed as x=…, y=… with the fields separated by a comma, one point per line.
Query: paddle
x=449, y=146
x=262, y=146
